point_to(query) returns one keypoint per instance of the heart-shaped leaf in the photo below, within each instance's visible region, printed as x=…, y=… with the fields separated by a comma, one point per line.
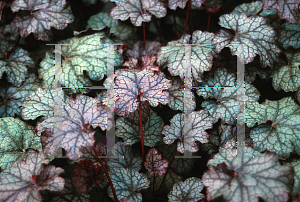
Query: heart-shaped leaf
x=154, y=163
x=140, y=49
x=248, y=177
x=252, y=9
x=127, y=183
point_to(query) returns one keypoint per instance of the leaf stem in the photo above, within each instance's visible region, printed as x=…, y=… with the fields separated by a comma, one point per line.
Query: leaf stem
x=260, y=11
x=208, y=23
x=107, y=175
x=187, y=16
x=61, y=196
x=191, y=22
x=144, y=32
x=141, y=129
x=160, y=40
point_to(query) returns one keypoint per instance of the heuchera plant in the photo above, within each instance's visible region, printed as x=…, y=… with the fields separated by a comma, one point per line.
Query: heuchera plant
x=57, y=99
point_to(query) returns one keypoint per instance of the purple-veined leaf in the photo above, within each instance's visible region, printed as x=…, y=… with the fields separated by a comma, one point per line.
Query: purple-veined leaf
x=41, y=16
x=85, y=175
x=253, y=32
x=41, y=103
x=101, y=20
x=131, y=132
x=225, y=105
x=154, y=163
x=135, y=116
x=127, y=183
x=187, y=191
x=252, y=9
x=148, y=63
x=93, y=59
x=16, y=140
x=12, y=97
x=290, y=35
x=140, y=49
x=71, y=193
x=248, y=177
x=73, y=125
x=177, y=95
x=287, y=76
x=15, y=63
x=138, y=10
x=173, y=55
x=24, y=180
x=173, y=4
x=287, y=9
x=278, y=127
x=9, y=32
x=188, y=131
x=295, y=163
x=130, y=159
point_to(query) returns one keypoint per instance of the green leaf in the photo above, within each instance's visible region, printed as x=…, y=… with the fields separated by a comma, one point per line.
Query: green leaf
x=12, y=97
x=41, y=103
x=225, y=105
x=295, y=163
x=15, y=65
x=247, y=177
x=290, y=35
x=281, y=133
x=101, y=20
x=16, y=138
x=127, y=183
x=253, y=8
x=131, y=132
x=287, y=76
x=201, y=57
x=254, y=33
x=87, y=53
x=129, y=159
x=188, y=191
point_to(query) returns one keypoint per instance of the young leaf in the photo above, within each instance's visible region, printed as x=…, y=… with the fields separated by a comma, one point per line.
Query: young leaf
x=287, y=9
x=41, y=103
x=295, y=163
x=41, y=17
x=12, y=97
x=138, y=11
x=173, y=4
x=15, y=64
x=254, y=33
x=201, y=56
x=188, y=131
x=225, y=107
x=131, y=132
x=248, y=177
x=154, y=163
x=85, y=175
x=287, y=77
x=188, y=191
x=253, y=8
x=290, y=35
x=140, y=49
x=282, y=134
x=76, y=119
x=16, y=138
x=127, y=183
x=24, y=180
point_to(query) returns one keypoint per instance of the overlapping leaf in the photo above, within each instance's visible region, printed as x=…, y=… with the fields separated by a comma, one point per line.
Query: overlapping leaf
x=282, y=134
x=248, y=177
x=188, y=130
x=287, y=9
x=24, y=180
x=131, y=132
x=290, y=35
x=41, y=102
x=12, y=97
x=15, y=64
x=173, y=55
x=126, y=157
x=173, y=4
x=253, y=32
x=188, y=191
x=16, y=139
x=41, y=17
x=287, y=76
x=87, y=53
x=127, y=183
x=71, y=128
x=140, y=49
x=154, y=163
x=225, y=106
x=138, y=11
x=101, y=20
x=295, y=163
x=253, y=8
